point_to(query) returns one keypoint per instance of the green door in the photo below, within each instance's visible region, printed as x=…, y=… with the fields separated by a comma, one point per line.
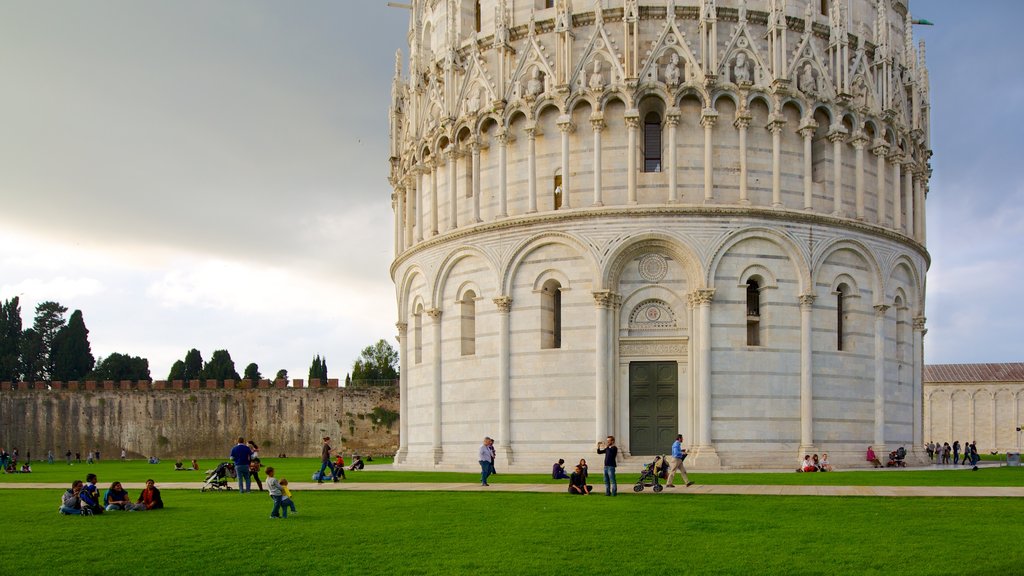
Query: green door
x=653, y=407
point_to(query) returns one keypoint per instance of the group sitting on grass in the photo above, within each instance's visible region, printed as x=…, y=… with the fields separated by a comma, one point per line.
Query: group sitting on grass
x=84, y=499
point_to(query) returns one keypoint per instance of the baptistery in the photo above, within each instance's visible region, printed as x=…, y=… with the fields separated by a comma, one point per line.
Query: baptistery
x=640, y=218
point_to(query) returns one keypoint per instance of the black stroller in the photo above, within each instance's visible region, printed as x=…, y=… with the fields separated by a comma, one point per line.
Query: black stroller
x=217, y=479
x=651, y=474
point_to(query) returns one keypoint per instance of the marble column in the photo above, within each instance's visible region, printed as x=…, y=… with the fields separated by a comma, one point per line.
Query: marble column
x=692, y=382
x=919, y=332
x=897, y=200
x=908, y=195
x=919, y=207
x=837, y=136
x=475, y=149
x=880, y=151
x=531, y=168
x=502, y=138
x=453, y=189
x=403, y=392
x=741, y=123
x=435, y=315
x=603, y=303
x=434, y=229
x=858, y=173
x=806, y=373
x=418, y=194
x=880, y=311
x=566, y=127
x=396, y=207
x=400, y=220
x=775, y=127
x=707, y=120
x=807, y=132
x=671, y=123
x=704, y=298
x=597, y=122
x=410, y=209
x=504, y=304
x=632, y=123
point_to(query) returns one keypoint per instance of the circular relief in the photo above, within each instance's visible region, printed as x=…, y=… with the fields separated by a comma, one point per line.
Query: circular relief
x=653, y=267
x=742, y=42
x=653, y=313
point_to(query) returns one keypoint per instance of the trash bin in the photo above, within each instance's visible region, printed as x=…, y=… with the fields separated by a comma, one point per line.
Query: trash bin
x=1013, y=458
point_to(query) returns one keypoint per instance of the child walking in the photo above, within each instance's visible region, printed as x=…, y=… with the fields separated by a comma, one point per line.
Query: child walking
x=286, y=501
x=276, y=494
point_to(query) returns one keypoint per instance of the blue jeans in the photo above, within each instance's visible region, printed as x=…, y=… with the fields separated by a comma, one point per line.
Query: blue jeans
x=243, y=474
x=278, y=507
x=485, y=471
x=69, y=510
x=324, y=466
x=611, y=486
x=287, y=503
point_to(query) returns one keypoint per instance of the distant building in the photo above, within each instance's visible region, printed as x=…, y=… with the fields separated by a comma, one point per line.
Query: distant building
x=686, y=216
x=974, y=403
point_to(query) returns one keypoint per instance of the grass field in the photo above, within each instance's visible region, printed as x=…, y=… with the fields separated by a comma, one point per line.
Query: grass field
x=514, y=533
x=302, y=470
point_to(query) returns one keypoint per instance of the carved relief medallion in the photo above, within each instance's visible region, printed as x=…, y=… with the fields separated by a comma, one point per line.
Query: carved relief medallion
x=653, y=267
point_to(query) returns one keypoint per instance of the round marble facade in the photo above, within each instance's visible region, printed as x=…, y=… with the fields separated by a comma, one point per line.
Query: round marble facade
x=660, y=217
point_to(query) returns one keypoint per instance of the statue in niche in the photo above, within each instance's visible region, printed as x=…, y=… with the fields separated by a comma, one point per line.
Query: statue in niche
x=740, y=71
x=806, y=82
x=534, y=86
x=473, y=102
x=597, y=77
x=860, y=92
x=672, y=70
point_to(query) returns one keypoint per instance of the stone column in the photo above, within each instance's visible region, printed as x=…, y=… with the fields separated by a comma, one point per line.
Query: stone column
x=531, y=168
x=858, y=173
x=475, y=149
x=775, y=127
x=435, y=315
x=707, y=120
x=597, y=122
x=603, y=302
x=897, y=200
x=566, y=127
x=806, y=373
x=908, y=195
x=453, y=189
x=418, y=188
x=403, y=393
x=434, y=230
x=671, y=122
x=919, y=332
x=807, y=132
x=837, y=136
x=706, y=455
x=396, y=207
x=919, y=206
x=741, y=123
x=880, y=150
x=504, y=304
x=502, y=138
x=880, y=376
x=400, y=219
x=632, y=123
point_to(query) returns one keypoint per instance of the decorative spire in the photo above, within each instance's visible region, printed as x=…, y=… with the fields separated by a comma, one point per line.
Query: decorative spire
x=598, y=12
x=671, y=11
x=808, y=17
x=743, y=11
x=908, y=42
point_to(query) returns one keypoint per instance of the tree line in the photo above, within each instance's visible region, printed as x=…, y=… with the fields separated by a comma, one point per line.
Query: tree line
x=55, y=349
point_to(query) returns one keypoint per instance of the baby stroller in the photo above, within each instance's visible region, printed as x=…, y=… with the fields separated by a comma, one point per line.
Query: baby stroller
x=650, y=474
x=217, y=479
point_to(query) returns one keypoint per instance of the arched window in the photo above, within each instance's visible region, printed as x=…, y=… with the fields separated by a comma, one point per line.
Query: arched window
x=417, y=335
x=652, y=142
x=556, y=188
x=753, y=312
x=551, y=315
x=842, y=291
x=468, y=336
x=477, y=11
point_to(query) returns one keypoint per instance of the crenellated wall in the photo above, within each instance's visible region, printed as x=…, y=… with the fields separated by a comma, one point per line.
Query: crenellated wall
x=195, y=419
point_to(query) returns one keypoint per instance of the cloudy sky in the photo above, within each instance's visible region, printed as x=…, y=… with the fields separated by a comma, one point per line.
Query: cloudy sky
x=212, y=174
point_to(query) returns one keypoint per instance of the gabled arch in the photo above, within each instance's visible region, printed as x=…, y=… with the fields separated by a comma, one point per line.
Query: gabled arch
x=728, y=94
x=690, y=91
x=790, y=101
x=520, y=252
x=614, y=93
x=788, y=245
x=859, y=248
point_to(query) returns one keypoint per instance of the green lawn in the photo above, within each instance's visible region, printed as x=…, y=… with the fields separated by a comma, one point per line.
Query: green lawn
x=302, y=470
x=512, y=533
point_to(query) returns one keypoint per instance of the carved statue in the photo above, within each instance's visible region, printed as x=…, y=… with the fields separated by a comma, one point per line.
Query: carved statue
x=806, y=82
x=741, y=73
x=596, y=77
x=672, y=70
x=860, y=91
x=534, y=87
x=473, y=102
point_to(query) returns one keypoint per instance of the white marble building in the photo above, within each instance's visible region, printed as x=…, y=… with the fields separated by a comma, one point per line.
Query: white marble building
x=975, y=403
x=647, y=217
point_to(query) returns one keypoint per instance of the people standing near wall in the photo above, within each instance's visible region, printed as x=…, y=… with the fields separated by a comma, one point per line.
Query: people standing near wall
x=486, y=459
x=67, y=455
x=254, y=465
x=611, y=454
x=676, y=463
x=325, y=460
x=241, y=455
x=49, y=456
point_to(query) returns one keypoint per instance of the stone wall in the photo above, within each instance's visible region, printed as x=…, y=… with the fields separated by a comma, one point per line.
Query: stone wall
x=194, y=419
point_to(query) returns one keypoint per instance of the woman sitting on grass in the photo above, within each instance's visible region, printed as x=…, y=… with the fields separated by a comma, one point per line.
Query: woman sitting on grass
x=578, y=483
x=150, y=497
x=70, y=503
x=116, y=498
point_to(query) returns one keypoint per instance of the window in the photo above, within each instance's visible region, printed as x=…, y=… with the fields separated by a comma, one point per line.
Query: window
x=753, y=312
x=824, y=7
x=557, y=189
x=549, y=3
x=841, y=292
x=468, y=338
x=417, y=335
x=476, y=15
x=652, y=142
x=551, y=315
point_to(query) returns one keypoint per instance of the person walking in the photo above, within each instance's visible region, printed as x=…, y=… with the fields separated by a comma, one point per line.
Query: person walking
x=676, y=463
x=611, y=453
x=325, y=460
x=486, y=459
x=241, y=455
x=956, y=452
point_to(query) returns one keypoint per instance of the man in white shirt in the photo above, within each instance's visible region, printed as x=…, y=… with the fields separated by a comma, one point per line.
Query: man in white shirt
x=486, y=460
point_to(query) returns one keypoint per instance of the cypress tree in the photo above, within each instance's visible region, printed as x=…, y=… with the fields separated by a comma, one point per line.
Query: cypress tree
x=71, y=356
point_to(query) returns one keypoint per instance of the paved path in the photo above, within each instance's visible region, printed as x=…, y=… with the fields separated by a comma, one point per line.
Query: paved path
x=626, y=489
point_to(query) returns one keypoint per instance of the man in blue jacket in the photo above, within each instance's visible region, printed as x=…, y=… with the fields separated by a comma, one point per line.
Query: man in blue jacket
x=678, y=455
x=242, y=455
